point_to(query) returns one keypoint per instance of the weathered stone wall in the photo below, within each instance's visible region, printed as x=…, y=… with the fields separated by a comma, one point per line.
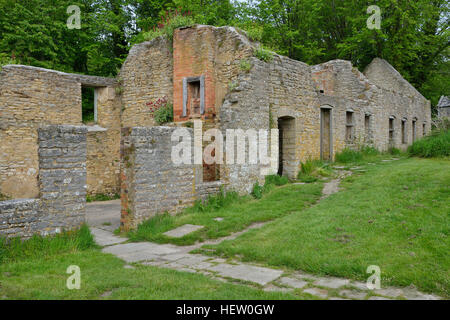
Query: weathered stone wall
x=345, y=89
x=150, y=182
x=62, y=187
x=146, y=76
x=30, y=97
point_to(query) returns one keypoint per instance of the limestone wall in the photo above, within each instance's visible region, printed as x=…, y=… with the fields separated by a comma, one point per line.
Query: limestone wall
x=30, y=97
x=145, y=76
x=62, y=187
x=150, y=182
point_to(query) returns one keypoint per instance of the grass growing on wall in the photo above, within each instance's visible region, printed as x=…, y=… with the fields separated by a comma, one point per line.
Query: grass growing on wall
x=102, y=197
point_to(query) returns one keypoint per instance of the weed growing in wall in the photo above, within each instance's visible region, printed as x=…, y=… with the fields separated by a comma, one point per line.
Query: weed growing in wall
x=171, y=21
x=245, y=65
x=162, y=110
x=263, y=54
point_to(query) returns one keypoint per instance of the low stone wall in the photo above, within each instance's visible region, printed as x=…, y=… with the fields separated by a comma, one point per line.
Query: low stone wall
x=62, y=187
x=203, y=190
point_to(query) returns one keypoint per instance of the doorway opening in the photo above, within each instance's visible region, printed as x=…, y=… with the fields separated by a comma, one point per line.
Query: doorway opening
x=286, y=147
x=326, y=145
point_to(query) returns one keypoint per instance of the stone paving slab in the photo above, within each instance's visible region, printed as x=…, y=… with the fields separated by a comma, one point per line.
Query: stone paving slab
x=105, y=238
x=182, y=231
x=353, y=294
x=126, y=248
x=333, y=283
x=295, y=283
x=137, y=256
x=317, y=292
x=244, y=272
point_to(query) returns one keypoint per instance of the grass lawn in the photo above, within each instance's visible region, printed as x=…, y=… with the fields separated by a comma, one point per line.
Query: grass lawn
x=29, y=273
x=242, y=212
x=394, y=215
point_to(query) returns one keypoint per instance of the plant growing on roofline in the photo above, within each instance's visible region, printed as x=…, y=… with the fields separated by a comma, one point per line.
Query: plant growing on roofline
x=161, y=110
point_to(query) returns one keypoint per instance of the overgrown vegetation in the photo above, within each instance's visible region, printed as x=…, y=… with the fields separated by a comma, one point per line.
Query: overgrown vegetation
x=16, y=249
x=214, y=202
x=312, y=170
x=102, y=197
x=166, y=27
x=435, y=145
x=162, y=110
x=270, y=182
x=364, y=153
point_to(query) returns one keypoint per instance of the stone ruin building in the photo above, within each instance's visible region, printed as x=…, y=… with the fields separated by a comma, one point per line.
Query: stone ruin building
x=49, y=160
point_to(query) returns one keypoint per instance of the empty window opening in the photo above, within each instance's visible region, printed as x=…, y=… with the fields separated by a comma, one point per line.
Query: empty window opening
x=404, y=135
x=349, y=133
x=326, y=134
x=89, y=105
x=367, y=127
x=424, y=131
x=391, y=129
x=414, y=130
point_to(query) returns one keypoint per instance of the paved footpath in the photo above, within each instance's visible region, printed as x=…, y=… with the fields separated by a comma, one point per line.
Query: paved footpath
x=269, y=279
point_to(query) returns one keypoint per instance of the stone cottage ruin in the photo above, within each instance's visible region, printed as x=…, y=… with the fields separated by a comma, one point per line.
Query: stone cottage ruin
x=49, y=161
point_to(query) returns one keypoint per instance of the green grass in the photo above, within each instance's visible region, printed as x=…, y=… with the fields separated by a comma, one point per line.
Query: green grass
x=395, y=215
x=312, y=170
x=102, y=197
x=239, y=214
x=36, y=269
x=435, y=145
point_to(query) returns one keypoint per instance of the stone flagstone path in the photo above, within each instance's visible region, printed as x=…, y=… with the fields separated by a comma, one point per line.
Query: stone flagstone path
x=269, y=279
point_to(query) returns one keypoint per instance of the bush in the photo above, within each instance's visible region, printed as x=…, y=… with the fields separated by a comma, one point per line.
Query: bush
x=38, y=246
x=435, y=145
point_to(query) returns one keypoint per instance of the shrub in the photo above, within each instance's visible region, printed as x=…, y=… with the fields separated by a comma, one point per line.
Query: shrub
x=263, y=54
x=435, y=145
x=394, y=151
x=348, y=155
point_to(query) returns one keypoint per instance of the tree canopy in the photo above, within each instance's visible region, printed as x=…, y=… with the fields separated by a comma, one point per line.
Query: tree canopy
x=413, y=36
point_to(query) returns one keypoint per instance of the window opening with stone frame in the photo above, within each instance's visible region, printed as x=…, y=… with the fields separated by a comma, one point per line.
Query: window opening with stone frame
x=349, y=126
x=414, y=122
x=424, y=127
x=193, y=97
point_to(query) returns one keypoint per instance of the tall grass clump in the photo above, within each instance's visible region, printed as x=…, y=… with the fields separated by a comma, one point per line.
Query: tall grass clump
x=435, y=145
x=214, y=202
x=348, y=155
x=37, y=246
x=312, y=170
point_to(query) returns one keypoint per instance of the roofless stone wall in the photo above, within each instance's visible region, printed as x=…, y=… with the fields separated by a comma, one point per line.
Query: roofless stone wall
x=62, y=187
